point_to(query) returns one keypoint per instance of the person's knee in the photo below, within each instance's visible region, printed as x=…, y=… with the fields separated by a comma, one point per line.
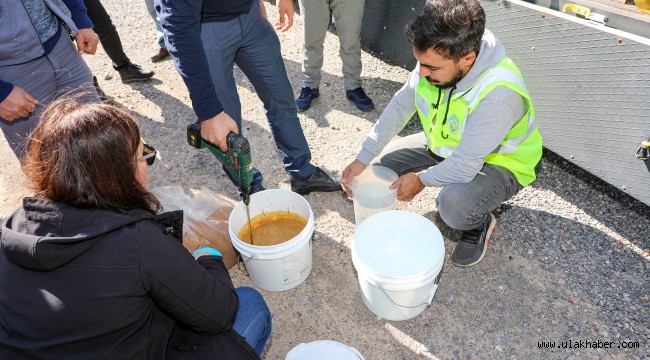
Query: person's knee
x=391, y=161
x=456, y=207
x=252, y=296
x=248, y=293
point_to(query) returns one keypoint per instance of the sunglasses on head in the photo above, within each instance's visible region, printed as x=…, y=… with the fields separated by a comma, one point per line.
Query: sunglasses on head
x=148, y=154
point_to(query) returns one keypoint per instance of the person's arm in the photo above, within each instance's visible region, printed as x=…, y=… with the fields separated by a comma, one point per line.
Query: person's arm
x=15, y=103
x=5, y=89
x=285, y=15
x=392, y=120
x=78, y=14
x=197, y=293
x=485, y=128
x=85, y=37
x=181, y=21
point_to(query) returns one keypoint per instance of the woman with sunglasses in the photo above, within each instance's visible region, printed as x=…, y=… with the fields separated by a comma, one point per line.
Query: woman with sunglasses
x=91, y=270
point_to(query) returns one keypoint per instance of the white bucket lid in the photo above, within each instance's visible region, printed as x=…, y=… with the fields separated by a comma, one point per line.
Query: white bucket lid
x=398, y=248
x=324, y=350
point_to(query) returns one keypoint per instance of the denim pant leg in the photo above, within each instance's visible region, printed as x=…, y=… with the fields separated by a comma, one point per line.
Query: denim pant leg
x=466, y=206
x=221, y=42
x=260, y=59
x=154, y=16
x=253, y=318
x=407, y=154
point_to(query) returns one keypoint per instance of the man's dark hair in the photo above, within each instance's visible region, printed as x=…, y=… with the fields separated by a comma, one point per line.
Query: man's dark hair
x=453, y=28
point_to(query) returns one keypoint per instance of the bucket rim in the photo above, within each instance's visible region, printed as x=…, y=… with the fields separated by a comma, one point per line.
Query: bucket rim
x=396, y=282
x=413, y=280
x=305, y=233
x=296, y=350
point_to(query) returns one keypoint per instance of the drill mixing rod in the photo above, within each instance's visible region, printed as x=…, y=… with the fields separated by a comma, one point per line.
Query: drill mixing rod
x=236, y=160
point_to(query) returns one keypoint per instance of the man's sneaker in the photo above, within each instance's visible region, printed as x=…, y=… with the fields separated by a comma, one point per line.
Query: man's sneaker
x=132, y=72
x=307, y=95
x=319, y=182
x=102, y=95
x=360, y=99
x=473, y=244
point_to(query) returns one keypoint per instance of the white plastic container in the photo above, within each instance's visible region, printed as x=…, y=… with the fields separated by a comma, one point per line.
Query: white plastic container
x=324, y=350
x=371, y=192
x=398, y=256
x=277, y=267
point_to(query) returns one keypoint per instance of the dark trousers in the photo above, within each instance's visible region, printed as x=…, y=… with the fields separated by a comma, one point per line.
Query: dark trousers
x=107, y=33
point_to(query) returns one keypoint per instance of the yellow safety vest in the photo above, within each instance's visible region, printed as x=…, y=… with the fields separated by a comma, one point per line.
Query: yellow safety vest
x=519, y=151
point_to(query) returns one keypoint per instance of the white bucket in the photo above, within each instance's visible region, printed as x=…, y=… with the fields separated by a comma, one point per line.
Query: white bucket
x=398, y=256
x=372, y=192
x=277, y=267
x=324, y=350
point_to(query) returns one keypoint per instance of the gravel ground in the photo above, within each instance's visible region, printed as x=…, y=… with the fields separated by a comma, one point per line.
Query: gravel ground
x=566, y=263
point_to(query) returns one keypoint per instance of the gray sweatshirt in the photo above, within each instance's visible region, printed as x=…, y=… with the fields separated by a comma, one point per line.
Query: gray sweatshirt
x=495, y=115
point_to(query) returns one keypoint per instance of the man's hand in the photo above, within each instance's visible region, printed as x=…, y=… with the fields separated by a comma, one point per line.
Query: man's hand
x=408, y=186
x=17, y=105
x=87, y=41
x=285, y=20
x=216, y=129
x=352, y=170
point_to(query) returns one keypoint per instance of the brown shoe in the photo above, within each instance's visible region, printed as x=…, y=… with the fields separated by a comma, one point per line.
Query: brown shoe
x=160, y=55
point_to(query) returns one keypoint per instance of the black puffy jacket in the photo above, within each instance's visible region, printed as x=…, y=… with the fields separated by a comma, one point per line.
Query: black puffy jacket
x=92, y=284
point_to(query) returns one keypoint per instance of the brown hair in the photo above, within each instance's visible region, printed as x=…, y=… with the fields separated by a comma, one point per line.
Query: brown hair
x=82, y=154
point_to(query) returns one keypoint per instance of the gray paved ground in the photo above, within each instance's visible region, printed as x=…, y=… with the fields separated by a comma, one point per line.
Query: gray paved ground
x=566, y=263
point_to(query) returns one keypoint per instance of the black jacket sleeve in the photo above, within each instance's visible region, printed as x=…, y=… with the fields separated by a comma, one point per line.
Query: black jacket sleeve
x=199, y=295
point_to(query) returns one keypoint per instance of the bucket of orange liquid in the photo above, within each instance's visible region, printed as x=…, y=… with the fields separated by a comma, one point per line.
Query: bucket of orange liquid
x=279, y=257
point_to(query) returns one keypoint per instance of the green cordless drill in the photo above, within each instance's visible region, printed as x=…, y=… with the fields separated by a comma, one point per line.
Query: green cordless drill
x=237, y=159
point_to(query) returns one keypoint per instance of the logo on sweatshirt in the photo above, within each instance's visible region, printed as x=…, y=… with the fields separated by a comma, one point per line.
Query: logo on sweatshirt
x=453, y=122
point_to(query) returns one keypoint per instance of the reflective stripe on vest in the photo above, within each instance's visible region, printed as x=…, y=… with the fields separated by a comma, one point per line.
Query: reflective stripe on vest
x=443, y=140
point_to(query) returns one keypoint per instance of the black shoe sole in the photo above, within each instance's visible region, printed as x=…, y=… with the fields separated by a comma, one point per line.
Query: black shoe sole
x=137, y=79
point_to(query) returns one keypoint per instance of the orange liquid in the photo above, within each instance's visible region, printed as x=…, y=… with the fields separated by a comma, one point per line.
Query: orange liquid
x=273, y=228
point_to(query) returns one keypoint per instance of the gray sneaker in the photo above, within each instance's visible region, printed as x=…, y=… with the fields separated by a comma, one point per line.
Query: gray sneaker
x=473, y=244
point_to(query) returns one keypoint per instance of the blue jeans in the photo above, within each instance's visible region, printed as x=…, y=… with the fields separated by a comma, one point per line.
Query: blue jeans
x=250, y=42
x=253, y=318
x=461, y=206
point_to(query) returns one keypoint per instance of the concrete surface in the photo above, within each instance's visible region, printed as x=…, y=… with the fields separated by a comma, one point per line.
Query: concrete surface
x=566, y=263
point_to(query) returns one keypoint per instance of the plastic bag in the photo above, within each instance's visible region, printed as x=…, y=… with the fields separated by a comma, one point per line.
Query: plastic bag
x=205, y=219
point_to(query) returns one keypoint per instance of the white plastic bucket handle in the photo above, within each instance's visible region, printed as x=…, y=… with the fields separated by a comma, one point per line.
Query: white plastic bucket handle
x=247, y=254
x=428, y=302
